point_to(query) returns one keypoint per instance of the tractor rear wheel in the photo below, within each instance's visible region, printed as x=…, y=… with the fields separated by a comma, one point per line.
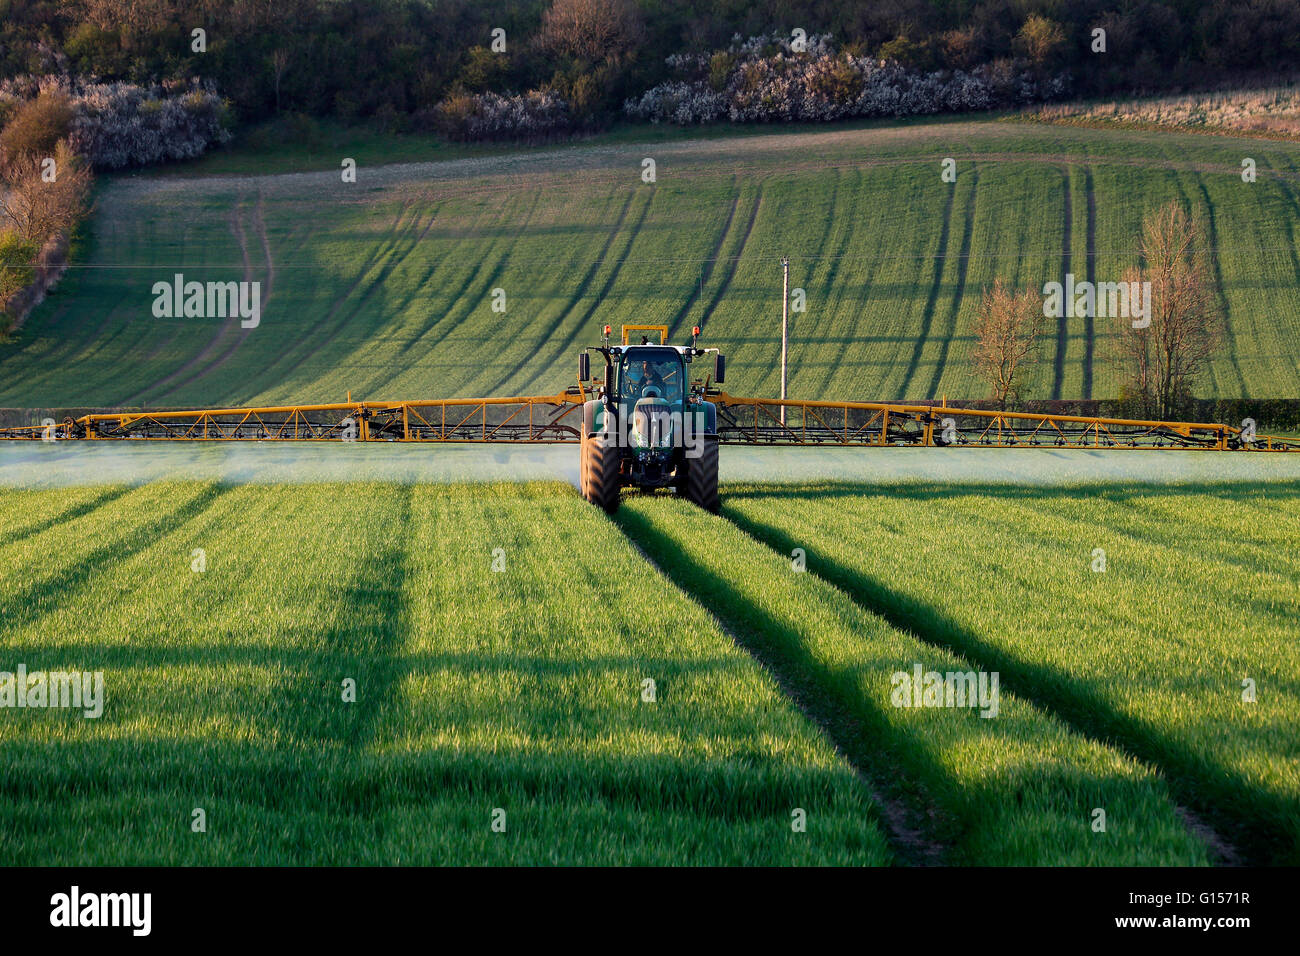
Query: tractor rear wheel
x=600, y=461
x=702, y=476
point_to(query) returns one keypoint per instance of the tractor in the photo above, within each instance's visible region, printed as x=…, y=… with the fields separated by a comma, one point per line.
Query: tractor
x=649, y=425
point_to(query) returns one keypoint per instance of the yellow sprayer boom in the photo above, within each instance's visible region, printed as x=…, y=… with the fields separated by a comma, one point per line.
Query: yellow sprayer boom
x=555, y=418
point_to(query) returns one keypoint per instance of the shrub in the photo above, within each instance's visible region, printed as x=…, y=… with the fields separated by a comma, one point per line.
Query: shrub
x=37, y=208
x=484, y=116
x=123, y=125
x=17, y=270
x=720, y=66
x=681, y=103
x=483, y=69
x=905, y=52
x=591, y=30
x=1040, y=39
x=36, y=126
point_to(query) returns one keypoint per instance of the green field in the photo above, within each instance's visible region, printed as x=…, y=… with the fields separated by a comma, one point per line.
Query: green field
x=384, y=287
x=521, y=688
x=500, y=635
x=476, y=690
x=1198, y=594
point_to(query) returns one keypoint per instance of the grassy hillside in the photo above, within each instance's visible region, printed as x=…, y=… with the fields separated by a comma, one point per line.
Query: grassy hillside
x=384, y=287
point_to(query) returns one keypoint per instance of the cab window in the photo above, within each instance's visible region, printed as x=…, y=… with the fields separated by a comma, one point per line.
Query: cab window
x=649, y=374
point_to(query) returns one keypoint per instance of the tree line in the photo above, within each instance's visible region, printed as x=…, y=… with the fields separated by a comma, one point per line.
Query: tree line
x=396, y=60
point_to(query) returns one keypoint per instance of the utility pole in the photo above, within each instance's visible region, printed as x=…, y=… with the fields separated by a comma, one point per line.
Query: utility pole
x=785, y=325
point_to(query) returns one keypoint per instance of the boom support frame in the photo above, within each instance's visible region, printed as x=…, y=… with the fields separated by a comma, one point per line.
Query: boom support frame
x=550, y=419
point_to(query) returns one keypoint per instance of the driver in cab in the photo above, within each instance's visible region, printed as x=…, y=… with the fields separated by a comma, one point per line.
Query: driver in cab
x=644, y=380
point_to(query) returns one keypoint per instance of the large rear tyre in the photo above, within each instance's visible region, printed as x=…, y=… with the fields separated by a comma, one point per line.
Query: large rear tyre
x=702, y=476
x=600, y=462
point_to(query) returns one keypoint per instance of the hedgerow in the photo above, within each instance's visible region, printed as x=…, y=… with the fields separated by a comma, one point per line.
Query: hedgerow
x=765, y=79
x=114, y=125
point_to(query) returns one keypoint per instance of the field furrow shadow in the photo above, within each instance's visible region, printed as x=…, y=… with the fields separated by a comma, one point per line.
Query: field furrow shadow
x=41, y=597
x=709, y=264
x=460, y=304
x=733, y=262
x=68, y=514
x=342, y=312
x=365, y=640
x=559, y=350
x=181, y=376
x=1225, y=309
x=1207, y=790
x=917, y=831
x=1062, y=328
x=1090, y=330
x=932, y=298
x=959, y=292
x=398, y=249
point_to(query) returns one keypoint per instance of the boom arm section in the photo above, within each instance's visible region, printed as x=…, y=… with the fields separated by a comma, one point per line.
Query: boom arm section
x=742, y=421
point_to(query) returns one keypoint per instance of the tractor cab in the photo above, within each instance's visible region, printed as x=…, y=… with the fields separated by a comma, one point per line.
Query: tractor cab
x=651, y=371
x=651, y=387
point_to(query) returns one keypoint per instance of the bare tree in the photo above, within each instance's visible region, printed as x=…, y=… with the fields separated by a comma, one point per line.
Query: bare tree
x=1163, y=354
x=1007, y=332
x=41, y=199
x=593, y=30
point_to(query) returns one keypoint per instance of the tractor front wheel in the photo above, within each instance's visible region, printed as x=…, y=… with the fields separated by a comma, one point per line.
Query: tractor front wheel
x=702, y=476
x=600, y=461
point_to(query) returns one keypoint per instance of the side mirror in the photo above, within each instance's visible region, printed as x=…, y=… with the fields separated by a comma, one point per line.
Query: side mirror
x=584, y=367
x=719, y=368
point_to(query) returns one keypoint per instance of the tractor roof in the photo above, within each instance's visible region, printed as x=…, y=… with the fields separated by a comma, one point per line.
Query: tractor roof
x=650, y=347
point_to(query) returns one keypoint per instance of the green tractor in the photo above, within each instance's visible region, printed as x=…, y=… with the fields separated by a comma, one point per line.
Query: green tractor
x=649, y=426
